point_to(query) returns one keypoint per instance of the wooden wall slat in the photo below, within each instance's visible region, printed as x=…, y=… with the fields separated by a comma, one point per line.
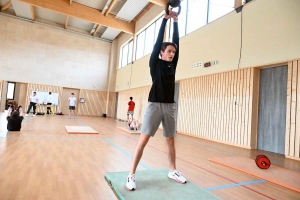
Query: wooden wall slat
x=95, y=103
x=217, y=107
x=288, y=109
x=244, y=112
x=293, y=109
x=297, y=132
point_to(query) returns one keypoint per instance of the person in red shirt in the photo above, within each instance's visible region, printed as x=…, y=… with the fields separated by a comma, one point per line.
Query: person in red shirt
x=130, y=111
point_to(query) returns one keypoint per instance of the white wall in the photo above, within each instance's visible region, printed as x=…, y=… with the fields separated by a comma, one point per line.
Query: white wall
x=33, y=53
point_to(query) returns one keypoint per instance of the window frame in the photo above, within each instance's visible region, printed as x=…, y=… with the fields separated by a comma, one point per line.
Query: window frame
x=13, y=91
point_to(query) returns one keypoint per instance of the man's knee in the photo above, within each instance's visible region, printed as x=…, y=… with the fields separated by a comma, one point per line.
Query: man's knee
x=143, y=140
x=170, y=141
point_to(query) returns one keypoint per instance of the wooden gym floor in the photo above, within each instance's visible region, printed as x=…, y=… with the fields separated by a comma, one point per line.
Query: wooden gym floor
x=44, y=162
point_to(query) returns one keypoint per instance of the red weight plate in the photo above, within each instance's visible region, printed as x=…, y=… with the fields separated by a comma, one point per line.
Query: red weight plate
x=263, y=162
x=258, y=156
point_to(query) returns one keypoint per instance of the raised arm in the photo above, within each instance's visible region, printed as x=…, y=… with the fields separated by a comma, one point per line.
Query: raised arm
x=159, y=41
x=9, y=112
x=176, y=39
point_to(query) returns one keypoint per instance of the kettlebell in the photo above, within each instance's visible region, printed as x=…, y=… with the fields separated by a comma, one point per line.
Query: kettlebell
x=173, y=4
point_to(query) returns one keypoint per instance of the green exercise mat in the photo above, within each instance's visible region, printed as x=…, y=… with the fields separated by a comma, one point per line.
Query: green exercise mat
x=155, y=184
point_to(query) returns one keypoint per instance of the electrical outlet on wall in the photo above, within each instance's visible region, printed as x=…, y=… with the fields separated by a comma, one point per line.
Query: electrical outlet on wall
x=196, y=65
x=214, y=62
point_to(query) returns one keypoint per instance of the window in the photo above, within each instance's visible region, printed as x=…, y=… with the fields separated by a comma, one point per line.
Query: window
x=147, y=39
x=149, y=42
x=10, y=91
x=130, y=49
x=157, y=27
x=196, y=15
x=140, y=44
x=126, y=54
x=218, y=8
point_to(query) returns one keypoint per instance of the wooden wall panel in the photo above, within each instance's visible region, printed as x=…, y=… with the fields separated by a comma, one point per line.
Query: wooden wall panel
x=219, y=107
x=111, y=104
x=95, y=103
x=292, y=139
x=140, y=97
x=43, y=88
x=23, y=95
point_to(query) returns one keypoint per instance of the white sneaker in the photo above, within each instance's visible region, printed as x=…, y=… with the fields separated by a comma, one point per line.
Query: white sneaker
x=130, y=182
x=33, y=115
x=26, y=115
x=176, y=175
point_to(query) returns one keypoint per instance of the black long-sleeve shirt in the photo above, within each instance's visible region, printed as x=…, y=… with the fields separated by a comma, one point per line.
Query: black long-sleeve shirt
x=163, y=72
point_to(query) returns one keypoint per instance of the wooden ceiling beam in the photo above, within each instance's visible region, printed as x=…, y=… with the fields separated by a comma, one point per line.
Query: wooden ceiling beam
x=112, y=3
x=32, y=12
x=84, y=13
x=98, y=26
x=159, y=2
x=67, y=20
x=6, y=6
x=71, y=2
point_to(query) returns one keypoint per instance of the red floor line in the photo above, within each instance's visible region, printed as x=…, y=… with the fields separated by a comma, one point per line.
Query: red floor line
x=193, y=164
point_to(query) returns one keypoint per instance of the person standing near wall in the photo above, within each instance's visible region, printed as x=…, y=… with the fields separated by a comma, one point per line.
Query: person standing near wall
x=49, y=102
x=34, y=101
x=130, y=110
x=72, y=105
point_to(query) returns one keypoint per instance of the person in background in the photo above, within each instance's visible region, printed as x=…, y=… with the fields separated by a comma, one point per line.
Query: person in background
x=72, y=105
x=14, y=119
x=49, y=102
x=130, y=110
x=133, y=124
x=34, y=101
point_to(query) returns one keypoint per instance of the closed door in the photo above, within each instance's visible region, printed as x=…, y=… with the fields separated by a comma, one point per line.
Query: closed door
x=64, y=100
x=272, y=109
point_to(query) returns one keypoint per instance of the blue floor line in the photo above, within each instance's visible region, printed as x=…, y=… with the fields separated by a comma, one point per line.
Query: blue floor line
x=79, y=122
x=235, y=185
x=124, y=152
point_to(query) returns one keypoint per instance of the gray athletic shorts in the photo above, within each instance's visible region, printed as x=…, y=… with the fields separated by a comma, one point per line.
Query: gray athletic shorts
x=156, y=113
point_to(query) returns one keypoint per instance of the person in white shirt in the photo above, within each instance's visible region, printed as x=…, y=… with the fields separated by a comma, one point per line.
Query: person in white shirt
x=34, y=101
x=49, y=102
x=72, y=105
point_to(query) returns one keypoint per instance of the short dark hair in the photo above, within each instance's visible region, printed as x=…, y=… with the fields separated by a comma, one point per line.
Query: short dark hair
x=130, y=98
x=166, y=44
x=72, y=93
x=34, y=92
x=50, y=92
x=15, y=115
